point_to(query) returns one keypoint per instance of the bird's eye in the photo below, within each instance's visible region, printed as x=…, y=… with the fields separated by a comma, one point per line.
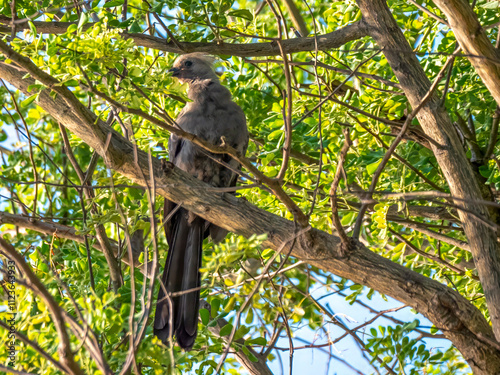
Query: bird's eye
x=188, y=63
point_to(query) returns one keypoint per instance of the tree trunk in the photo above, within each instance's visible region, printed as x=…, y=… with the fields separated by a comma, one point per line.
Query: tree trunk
x=450, y=156
x=459, y=320
x=475, y=43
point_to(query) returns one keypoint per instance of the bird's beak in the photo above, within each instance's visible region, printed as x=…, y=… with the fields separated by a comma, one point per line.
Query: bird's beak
x=174, y=71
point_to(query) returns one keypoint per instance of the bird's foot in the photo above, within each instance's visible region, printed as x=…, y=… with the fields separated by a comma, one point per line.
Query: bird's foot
x=167, y=166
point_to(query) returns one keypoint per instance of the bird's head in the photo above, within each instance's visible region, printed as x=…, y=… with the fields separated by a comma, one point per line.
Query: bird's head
x=193, y=66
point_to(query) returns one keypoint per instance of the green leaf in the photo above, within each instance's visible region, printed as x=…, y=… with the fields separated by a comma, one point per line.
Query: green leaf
x=250, y=315
x=215, y=305
x=135, y=28
x=32, y=27
x=399, y=247
x=411, y=326
x=484, y=171
x=26, y=102
x=225, y=5
x=256, y=341
x=34, y=87
x=240, y=332
x=113, y=3
x=135, y=72
x=72, y=28
x=371, y=168
x=51, y=51
x=242, y=13
x=230, y=304
x=205, y=316
x=275, y=134
x=226, y=330
x=83, y=20
x=348, y=219
x=268, y=253
x=126, y=23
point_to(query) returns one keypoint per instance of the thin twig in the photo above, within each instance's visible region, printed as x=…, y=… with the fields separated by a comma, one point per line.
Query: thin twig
x=429, y=13
x=252, y=293
x=102, y=237
x=396, y=155
x=493, y=134
x=333, y=192
x=64, y=348
x=399, y=138
x=30, y=146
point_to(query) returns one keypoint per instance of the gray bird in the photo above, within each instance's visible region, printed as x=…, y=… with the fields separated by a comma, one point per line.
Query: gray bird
x=214, y=117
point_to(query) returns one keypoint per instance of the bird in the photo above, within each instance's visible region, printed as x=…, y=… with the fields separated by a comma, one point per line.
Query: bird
x=213, y=116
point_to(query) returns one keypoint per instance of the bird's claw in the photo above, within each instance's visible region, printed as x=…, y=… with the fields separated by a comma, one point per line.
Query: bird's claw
x=167, y=166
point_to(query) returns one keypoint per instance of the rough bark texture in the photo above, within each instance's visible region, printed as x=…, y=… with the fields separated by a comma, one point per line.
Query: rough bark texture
x=459, y=320
x=62, y=231
x=450, y=156
x=474, y=42
x=325, y=42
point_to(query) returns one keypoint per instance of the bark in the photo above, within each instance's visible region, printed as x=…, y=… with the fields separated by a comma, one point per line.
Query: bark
x=450, y=155
x=254, y=368
x=475, y=43
x=325, y=42
x=61, y=231
x=296, y=17
x=66, y=357
x=64, y=231
x=459, y=320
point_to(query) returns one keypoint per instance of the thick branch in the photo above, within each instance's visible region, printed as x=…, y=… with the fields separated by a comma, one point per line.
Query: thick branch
x=449, y=311
x=66, y=356
x=475, y=43
x=58, y=230
x=450, y=156
x=326, y=42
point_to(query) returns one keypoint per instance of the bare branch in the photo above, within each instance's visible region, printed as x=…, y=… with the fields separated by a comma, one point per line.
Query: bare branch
x=66, y=356
x=326, y=42
x=450, y=312
x=474, y=42
x=451, y=156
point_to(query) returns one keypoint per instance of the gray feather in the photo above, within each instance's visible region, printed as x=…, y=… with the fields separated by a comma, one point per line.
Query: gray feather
x=211, y=116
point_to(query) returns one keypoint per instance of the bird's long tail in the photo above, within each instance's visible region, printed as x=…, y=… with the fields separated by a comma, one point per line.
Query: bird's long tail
x=181, y=273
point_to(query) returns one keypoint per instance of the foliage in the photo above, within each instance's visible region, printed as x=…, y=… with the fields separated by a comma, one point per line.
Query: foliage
x=99, y=56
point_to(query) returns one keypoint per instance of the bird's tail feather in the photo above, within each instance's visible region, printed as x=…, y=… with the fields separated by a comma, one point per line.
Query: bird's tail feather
x=181, y=273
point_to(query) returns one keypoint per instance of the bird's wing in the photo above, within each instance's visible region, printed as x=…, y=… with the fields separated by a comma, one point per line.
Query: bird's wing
x=185, y=231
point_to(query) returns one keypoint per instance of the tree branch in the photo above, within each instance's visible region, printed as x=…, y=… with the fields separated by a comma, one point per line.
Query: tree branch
x=451, y=158
x=102, y=237
x=476, y=46
x=58, y=230
x=254, y=368
x=66, y=356
x=325, y=42
x=460, y=321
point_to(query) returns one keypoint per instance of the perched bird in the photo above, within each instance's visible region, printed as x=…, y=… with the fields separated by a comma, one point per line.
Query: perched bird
x=214, y=117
